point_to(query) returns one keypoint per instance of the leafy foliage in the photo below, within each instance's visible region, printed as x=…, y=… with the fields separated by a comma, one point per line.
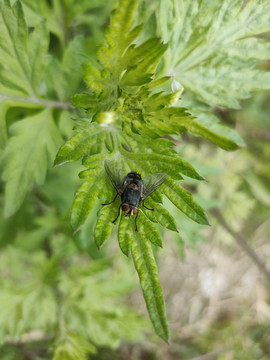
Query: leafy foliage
x=27, y=77
x=72, y=307
x=129, y=109
x=213, y=48
x=44, y=138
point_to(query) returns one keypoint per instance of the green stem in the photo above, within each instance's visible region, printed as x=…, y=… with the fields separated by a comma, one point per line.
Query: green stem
x=34, y=100
x=243, y=244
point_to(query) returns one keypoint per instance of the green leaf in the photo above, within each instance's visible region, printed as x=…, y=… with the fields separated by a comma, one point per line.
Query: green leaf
x=160, y=215
x=61, y=17
x=147, y=271
x=171, y=165
x=207, y=126
x=63, y=78
x=149, y=230
x=119, y=35
x=28, y=153
x=212, y=49
x=146, y=57
x=86, y=196
x=84, y=142
x=183, y=200
x=104, y=224
x=4, y=106
x=125, y=234
x=23, y=58
x=73, y=347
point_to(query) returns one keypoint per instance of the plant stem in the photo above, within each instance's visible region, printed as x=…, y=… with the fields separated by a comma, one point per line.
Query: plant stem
x=34, y=100
x=243, y=244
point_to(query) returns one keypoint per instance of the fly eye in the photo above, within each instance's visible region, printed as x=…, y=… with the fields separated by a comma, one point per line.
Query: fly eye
x=135, y=211
x=125, y=207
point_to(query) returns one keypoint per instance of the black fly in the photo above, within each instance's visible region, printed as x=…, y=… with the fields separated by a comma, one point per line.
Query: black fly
x=132, y=189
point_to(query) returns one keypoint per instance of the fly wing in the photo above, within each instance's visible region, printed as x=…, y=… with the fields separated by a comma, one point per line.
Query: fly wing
x=115, y=174
x=151, y=183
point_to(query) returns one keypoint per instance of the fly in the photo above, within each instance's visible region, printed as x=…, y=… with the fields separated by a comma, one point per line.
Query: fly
x=132, y=189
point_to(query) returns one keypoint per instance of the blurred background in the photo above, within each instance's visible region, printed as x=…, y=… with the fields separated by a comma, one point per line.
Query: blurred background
x=216, y=288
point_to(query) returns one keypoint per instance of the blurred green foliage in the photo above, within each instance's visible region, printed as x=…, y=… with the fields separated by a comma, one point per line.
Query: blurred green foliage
x=60, y=297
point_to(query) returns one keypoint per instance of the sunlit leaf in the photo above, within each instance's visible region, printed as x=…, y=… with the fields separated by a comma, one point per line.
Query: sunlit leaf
x=212, y=48
x=147, y=271
x=183, y=200
x=39, y=138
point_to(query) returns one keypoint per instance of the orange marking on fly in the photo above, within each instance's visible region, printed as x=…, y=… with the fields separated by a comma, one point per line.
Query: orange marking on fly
x=133, y=186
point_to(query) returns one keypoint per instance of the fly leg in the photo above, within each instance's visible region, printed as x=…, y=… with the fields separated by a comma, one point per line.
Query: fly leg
x=118, y=214
x=147, y=207
x=111, y=201
x=136, y=229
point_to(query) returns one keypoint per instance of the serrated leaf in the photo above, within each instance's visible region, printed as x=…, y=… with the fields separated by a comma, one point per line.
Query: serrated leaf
x=125, y=234
x=39, y=139
x=23, y=59
x=118, y=35
x=104, y=223
x=206, y=125
x=211, y=51
x=170, y=164
x=146, y=58
x=149, y=230
x=183, y=200
x=86, y=195
x=6, y=104
x=73, y=347
x=160, y=215
x=38, y=47
x=85, y=142
x=147, y=271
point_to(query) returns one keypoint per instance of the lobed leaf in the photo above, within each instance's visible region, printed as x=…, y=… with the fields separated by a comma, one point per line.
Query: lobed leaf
x=24, y=58
x=84, y=142
x=39, y=138
x=119, y=35
x=211, y=52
